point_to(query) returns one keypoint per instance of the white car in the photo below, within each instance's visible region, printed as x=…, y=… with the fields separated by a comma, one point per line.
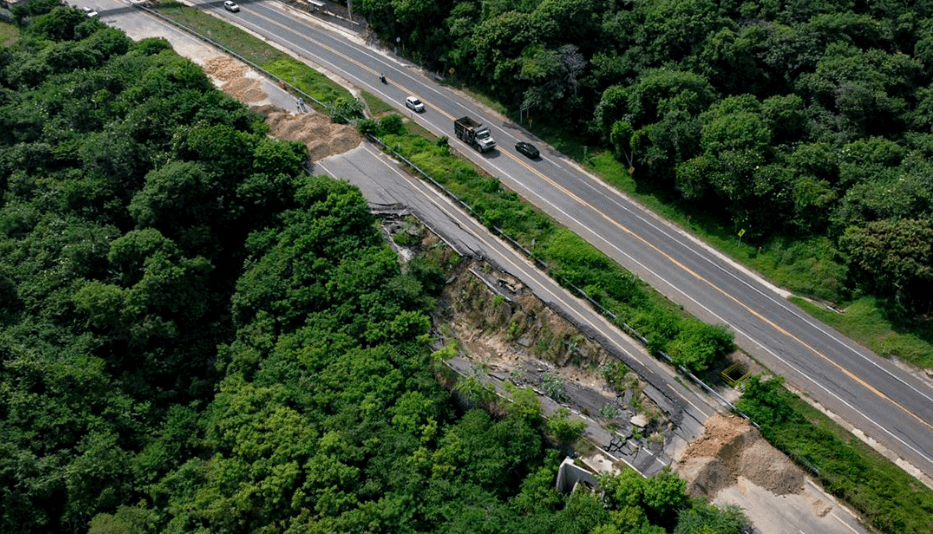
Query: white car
x=89, y=12
x=414, y=104
x=231, y=6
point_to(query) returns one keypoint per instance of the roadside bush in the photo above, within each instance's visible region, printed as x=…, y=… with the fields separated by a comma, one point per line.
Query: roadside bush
x=708, y=519
x=563, y=429
x=553, y=386
x=698, y=345
x=764, y=403
x=391, y=124
x=345, y=109
x=367, y=127
x=567, y=247
x=571, y=259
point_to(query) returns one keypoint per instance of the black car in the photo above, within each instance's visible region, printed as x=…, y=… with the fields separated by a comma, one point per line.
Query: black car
x=527, y=149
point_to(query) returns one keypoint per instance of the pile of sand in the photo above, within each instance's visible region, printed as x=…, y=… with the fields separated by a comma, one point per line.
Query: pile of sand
x=322, y=137
x=236, y=79
x=730, y=447
x=225, y=68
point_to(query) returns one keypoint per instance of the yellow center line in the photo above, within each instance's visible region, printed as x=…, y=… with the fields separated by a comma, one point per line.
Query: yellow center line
x=604, y=326
x=696, y=275
x=350, y=60
x=626, y=230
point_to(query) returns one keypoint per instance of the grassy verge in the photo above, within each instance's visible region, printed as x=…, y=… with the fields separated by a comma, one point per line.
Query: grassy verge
x=256, y=50
x=865, y=320
x=805, y=267
x=9, y=34
x=571, y=260
x=888, y=498
x=375, y=104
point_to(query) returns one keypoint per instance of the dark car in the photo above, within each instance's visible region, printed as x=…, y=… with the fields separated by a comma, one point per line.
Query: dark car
x=527, y=149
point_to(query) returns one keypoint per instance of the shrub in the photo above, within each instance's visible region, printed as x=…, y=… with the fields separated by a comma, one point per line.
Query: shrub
x=345, y=109
x=563, y=429
x=553, y=386
x=367, y=127
x=429, y=273
x=699, y=345
x=391, y=124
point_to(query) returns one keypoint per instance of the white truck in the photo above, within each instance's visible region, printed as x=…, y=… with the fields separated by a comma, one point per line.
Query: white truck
x=473, y=133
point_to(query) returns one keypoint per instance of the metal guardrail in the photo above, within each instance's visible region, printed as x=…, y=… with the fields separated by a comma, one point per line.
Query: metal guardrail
x=450, y=194
x=566, y=283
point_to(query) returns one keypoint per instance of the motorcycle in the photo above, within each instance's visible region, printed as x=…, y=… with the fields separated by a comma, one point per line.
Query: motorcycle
x=382, y=78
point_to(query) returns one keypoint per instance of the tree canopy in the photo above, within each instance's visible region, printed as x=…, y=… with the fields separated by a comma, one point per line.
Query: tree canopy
x=760, y=113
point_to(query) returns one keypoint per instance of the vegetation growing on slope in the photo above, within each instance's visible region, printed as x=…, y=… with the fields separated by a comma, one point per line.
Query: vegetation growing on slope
x=689, y=341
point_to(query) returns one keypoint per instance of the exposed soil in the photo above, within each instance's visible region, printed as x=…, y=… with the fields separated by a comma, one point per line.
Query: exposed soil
x=237, y=80
x=322, y=137
x=517, y=337
x=730, y=447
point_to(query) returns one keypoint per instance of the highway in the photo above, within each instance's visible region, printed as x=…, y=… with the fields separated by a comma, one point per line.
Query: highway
x=892, y=407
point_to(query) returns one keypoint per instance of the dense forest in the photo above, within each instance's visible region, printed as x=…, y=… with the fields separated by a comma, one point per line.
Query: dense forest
x=197, y=337
x=783, y=118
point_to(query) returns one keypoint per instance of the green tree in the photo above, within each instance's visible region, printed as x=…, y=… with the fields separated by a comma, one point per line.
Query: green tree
x=663, y=497
x=704, y=518
x=564, y=429
x=893, y=258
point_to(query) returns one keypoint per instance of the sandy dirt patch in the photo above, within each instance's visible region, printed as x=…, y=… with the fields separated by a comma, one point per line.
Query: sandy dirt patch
x=729, y=448
x=322, y=137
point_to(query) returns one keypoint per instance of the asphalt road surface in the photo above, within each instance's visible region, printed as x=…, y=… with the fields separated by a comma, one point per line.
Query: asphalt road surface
x=892, y=407
x=384, y=184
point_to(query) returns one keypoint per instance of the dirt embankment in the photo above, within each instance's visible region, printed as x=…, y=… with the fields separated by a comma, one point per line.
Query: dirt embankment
x=730, y=447
x=322, y=137
x=502, y=326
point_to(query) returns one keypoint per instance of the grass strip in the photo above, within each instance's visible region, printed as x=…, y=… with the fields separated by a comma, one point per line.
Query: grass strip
x=865, y=321
x=890, y=499
x=256, y=50
x=887, y=497
x=375, y=104
x=9, y=34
